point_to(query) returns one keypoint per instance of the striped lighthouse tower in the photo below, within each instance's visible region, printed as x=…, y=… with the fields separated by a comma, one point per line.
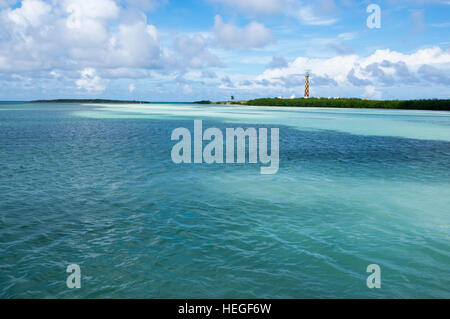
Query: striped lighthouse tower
x=307, y=86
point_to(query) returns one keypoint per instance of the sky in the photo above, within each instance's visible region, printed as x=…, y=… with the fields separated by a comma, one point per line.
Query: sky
x=188, y=50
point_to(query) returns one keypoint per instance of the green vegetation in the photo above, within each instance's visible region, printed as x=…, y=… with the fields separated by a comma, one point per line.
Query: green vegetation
x=95, y=101
x=443, y=105
x=203, y=102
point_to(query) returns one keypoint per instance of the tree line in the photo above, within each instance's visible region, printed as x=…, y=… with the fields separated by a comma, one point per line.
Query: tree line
x=433, y=104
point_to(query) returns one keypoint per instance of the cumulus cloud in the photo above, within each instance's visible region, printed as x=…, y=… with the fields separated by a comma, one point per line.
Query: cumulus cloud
x=192, y=51
x=90, y=81
x=94, y=37
x=254, y=35
x=133, y=45
x=31, y=13
x=401, y=69
x=84, y=43
x=381, y=69
x=74, y=34
x=355, y=80
x=377, y=70
x=90, y=9
x=433, y=74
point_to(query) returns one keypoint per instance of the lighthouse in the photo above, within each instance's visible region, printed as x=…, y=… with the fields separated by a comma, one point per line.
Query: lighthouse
x=307, y=86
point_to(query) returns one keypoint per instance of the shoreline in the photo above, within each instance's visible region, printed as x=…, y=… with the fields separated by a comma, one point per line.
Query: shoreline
x=353, y=103
x=90, y=101
x=343, y=103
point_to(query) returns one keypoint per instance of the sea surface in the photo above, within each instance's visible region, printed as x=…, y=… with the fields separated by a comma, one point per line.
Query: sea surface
x=95, y=185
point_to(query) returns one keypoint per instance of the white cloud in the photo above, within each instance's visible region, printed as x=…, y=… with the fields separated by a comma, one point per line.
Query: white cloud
x=55, y=40
x=384, y=68
x=90, y=81
x=134, y=45
x=85, y=22
x=99, y=37
x=92, y=9
x=254, y=35
x=75, y=34
x=31, y=13
x=192, y=51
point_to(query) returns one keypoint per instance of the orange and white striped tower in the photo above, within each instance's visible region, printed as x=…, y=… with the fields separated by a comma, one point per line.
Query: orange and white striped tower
x=307, y=86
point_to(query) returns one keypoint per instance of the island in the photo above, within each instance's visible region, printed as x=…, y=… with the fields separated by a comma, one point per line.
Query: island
x=431, y=104
x=91, y=101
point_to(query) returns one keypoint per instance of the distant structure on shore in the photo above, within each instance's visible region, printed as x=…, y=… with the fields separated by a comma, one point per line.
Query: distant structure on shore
x=307, y=86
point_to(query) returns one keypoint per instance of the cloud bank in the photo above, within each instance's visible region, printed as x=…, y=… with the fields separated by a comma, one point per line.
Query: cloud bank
x=383, y=68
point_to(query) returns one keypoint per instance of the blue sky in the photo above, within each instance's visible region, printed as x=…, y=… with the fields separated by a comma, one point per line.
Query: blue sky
x=181, y=50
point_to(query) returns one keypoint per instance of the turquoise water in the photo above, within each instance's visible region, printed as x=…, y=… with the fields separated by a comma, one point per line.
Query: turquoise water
x=95, y=186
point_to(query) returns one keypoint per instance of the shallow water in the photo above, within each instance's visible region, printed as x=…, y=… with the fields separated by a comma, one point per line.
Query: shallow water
x=95, y=185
